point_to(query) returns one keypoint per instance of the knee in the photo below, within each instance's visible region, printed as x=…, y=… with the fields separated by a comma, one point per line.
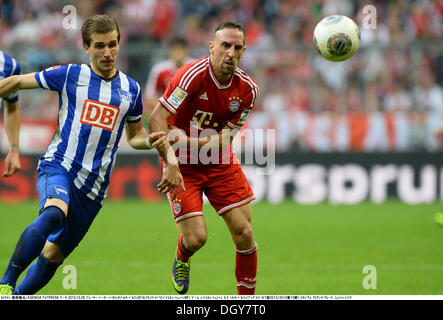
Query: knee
x=53, y=215
x=243, y=236
x=53, y=253
x=195, y=241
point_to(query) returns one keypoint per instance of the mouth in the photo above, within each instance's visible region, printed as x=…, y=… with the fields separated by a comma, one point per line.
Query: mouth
x=230, y=63
x=107, y=63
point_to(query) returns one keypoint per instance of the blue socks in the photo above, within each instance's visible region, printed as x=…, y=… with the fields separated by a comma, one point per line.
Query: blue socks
x=31, y=243
x=38, y=275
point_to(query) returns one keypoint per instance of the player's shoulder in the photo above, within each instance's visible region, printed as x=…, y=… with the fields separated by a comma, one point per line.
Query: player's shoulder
x=5, y=56
x=134, y=86
x=247, y=83
x=10, y=64
x=194, y=63
x=245, y=78
x=192, y=72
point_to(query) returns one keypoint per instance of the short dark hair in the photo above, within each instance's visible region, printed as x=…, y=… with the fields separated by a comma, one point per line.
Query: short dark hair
x=231, y=25
x=98, y=24
x=177, y=41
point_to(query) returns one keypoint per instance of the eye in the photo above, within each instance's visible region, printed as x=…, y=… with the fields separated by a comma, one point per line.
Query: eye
x=99, y=45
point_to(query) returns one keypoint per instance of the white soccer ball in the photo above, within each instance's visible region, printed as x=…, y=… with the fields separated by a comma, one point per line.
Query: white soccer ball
x=336, y=38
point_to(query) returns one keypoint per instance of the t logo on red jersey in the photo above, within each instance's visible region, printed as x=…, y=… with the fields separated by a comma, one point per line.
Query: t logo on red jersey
x=204, y=118
x=99, y=114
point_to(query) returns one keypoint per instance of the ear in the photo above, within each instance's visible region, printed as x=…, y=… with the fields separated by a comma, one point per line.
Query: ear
x=86, y=48
x=244, y=49
x=211, y=46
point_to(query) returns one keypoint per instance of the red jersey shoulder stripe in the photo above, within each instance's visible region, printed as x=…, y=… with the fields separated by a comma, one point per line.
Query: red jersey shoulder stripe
x=246, y=78
x=196, y=73
x=190, y=74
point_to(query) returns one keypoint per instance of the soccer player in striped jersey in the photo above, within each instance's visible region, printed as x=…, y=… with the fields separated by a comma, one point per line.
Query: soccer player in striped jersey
x=96, y=102
x=213, y=97
x=9, y=67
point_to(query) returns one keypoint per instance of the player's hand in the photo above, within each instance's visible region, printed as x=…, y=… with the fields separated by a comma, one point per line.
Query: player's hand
x=12, y=162
x=158, y=140
x=172, y=179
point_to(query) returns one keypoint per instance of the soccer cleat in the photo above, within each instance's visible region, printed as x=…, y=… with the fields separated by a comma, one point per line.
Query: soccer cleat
x=6, y=290
x=439, y=218
x=180, y=275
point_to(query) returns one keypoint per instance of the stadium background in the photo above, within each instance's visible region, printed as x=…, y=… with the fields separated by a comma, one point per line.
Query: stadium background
x=358, y=174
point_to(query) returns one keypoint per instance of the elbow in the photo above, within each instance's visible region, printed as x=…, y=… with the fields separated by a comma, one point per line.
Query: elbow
x=151, y=122
x=9, y=85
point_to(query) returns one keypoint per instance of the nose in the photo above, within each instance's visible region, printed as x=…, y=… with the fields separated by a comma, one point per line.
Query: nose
x=107, y=52
x=231, y=52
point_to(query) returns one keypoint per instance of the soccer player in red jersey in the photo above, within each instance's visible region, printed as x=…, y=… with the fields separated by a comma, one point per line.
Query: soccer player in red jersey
x=212, y=97
x=163, y=71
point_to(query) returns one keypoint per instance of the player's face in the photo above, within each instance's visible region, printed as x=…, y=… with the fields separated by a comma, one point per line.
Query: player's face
x=226, y=50
x=103, y=52
x=178, y=53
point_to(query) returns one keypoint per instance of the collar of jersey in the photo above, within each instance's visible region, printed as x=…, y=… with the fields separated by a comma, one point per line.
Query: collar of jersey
x=115, y=76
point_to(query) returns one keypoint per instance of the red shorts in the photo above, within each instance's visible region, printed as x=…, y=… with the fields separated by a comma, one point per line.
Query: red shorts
x=225, y=186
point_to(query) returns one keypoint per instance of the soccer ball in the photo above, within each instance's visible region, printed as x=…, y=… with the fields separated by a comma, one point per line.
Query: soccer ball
x=336, y=38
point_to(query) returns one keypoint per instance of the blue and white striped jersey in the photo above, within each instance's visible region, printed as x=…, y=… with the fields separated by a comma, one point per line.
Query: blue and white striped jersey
x=9, y=67
x=91, y=118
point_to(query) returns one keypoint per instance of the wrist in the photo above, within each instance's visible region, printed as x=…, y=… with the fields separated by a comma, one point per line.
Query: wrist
x=14, y=147
x=148, y=143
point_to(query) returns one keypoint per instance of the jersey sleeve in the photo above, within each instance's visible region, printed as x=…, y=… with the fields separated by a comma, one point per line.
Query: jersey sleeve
x=13, y=97
x=239, y=117
x=136, y=112
x=52, y=78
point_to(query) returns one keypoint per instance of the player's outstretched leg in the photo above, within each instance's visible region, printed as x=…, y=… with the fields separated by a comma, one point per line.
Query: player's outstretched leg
x=38, y=275
x=31, y=243
x=192, y=237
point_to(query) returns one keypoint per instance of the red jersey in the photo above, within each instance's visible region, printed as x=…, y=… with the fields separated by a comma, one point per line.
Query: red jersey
x=159, y=77
x=198, y=101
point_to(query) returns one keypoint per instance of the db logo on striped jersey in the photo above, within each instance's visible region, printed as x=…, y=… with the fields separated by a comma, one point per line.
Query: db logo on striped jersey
x=99, y=114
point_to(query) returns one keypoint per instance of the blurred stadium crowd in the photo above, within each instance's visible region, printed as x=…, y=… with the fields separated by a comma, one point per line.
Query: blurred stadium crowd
x=388, y=97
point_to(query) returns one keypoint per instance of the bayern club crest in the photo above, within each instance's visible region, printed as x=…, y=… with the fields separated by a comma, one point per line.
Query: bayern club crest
x=234, y=103
x=176, y=207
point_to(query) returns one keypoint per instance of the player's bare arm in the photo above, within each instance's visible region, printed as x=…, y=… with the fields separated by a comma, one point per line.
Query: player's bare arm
x=217, y=142
x=172, y=177
x=138, y=138
x=18, y=82
x=12, y=117
x=12, y=127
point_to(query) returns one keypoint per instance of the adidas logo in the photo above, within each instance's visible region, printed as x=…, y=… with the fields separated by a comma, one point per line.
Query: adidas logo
x=204, y=96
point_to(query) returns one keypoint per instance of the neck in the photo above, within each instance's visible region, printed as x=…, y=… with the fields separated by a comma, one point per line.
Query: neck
x=221, y=77
x=104, y=74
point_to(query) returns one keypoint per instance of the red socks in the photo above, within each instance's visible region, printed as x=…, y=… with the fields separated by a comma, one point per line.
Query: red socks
x=245, y=266
x=182, y=253
x=246, y=270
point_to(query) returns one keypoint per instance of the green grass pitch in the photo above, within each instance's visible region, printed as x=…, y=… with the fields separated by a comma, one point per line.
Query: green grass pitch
x=316, y=249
